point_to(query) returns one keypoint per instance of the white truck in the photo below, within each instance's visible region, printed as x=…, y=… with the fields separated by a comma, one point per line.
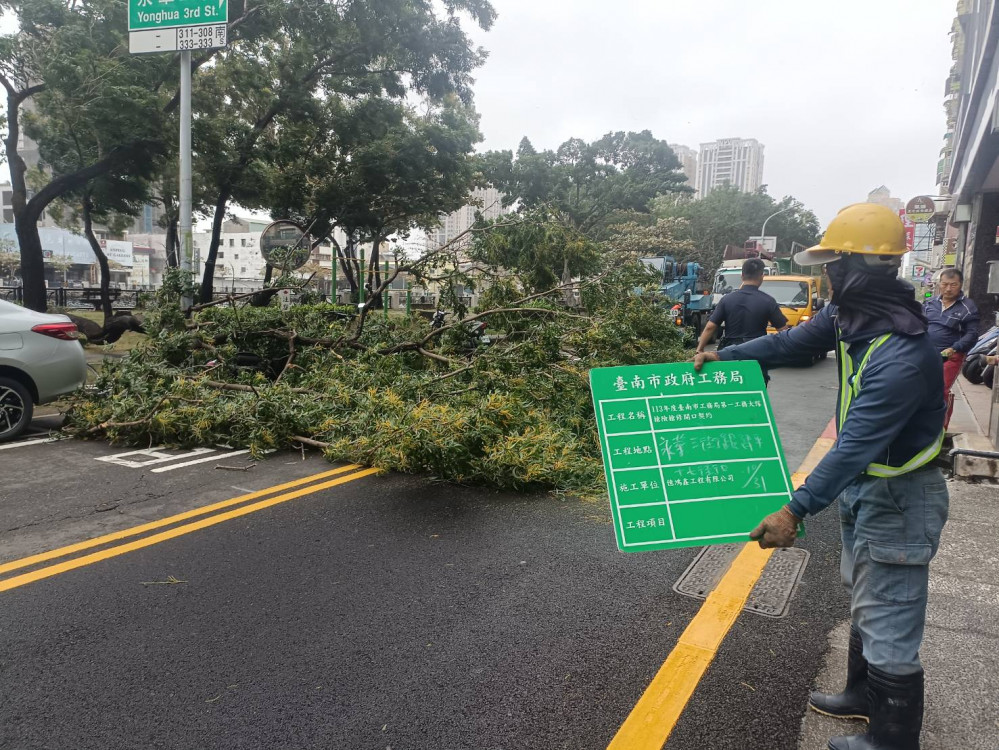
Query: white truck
x=728, y=277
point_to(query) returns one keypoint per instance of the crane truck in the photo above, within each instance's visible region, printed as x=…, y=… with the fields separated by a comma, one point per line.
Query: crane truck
x=682, y=282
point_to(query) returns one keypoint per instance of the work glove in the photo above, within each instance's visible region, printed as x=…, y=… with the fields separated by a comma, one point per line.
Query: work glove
x=777, y=530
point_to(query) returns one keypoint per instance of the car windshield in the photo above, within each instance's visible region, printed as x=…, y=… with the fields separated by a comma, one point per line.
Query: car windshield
x=727, y=281
x=787, y=293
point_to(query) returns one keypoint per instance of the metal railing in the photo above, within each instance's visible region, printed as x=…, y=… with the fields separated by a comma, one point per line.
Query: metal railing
x=85, y=298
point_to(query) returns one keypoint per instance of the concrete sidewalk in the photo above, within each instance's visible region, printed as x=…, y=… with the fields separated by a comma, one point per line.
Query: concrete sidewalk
x=961, y=648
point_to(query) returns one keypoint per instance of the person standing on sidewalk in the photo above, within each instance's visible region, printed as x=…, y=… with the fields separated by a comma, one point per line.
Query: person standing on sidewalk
x=953, y=328
x=746, y=312
x=892, y=502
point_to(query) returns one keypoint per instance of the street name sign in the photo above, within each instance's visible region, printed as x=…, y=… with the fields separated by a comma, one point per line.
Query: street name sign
x=172, y=25
x=691, y=458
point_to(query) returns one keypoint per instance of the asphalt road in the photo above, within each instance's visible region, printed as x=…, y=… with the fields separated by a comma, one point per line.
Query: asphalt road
x=384, y=612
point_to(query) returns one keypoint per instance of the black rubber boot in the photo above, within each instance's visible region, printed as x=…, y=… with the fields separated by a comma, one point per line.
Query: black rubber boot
x=896, y=714
x=852, y=702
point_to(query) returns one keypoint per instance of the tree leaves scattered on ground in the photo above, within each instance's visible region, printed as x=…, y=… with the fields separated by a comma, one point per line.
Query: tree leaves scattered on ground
x=399, y=396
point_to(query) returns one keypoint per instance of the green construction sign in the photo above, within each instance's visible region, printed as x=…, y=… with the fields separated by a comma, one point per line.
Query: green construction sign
x=166, y=14
x=691, y=458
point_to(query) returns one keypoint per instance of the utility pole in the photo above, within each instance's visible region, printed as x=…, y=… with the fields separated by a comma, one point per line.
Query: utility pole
x=191, y=24
x=186, y=230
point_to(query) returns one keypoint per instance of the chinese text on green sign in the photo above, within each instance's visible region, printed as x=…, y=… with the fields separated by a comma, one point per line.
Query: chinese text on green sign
x=691, y=458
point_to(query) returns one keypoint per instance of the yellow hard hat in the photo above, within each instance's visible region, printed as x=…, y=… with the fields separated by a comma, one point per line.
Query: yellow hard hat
x=863, y=228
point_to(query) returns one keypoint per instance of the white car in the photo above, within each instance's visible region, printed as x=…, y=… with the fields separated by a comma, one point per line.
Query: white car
x=41, y=359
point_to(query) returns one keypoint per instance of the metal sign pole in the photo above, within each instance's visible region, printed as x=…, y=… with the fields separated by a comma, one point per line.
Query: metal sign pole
x=186, y=238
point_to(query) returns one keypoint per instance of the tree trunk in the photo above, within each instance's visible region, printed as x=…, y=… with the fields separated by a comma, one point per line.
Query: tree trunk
x=102, y=260
x=374, y=274
x=268, y=273
x=172, y=234
x=567, y=293
x=25, y=220
x=349, y=263
x=32, y=263
x=208, y=281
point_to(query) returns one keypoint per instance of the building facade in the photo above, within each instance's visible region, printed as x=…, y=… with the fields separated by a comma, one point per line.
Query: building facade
x=487, y=202
x=688, y=161
x=969, y=168
x=883, y=197
x=731, y=161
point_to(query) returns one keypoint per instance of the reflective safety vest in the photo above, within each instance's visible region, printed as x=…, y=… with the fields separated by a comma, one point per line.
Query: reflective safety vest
x=848, y=389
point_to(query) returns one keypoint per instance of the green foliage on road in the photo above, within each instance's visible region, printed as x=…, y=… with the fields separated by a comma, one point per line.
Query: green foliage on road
x=394, y=394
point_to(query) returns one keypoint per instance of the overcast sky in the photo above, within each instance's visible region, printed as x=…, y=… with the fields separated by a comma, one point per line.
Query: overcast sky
x=845, y=96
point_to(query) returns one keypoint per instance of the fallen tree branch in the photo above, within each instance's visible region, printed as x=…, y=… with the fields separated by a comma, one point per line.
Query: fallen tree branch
x=291, y=357
x=136, y=423
x=433, y=356
x=233, y=297
x=309, y=441
x=217, y=385
x=497, y=311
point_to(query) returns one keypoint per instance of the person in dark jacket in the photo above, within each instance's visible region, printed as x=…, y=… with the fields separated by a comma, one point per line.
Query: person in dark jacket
x=892, y=501
x=746, y=312
x=953, y=328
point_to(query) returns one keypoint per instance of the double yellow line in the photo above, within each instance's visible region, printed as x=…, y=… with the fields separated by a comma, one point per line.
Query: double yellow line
x=650, y=722
x=305, y=487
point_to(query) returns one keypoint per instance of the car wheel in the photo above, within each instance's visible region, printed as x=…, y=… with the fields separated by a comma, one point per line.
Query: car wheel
x=16, y=408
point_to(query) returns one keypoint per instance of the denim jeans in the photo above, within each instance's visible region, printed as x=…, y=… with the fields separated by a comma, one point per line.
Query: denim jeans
x=891, y=530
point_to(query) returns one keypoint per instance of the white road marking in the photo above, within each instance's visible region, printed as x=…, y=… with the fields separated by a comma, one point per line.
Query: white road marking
x=25, y=443
x=154, y=455
x=199, y=461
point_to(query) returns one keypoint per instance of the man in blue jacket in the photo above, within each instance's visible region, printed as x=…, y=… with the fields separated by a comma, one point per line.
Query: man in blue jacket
x=892, y=502
x=953, y=328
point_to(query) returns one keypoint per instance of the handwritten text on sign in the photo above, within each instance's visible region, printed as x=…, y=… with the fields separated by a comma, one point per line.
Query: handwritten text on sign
x=691, y=458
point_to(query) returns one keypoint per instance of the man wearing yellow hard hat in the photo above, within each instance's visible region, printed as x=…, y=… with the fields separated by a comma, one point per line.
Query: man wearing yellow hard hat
x=892, y=502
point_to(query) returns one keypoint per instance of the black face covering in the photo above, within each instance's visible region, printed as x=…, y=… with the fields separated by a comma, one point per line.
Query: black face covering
x=873, y=301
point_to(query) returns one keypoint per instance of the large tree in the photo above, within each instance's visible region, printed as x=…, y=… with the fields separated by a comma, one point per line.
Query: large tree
x=355, y=48
x=591, y=186
x=728, y=216
x=374, y=169
x=72, y=131
x=94, y=110
x=71, y=60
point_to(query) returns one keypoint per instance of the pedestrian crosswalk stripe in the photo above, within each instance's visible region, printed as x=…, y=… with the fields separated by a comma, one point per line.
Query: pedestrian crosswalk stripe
x=26, y=443
x=171, y=467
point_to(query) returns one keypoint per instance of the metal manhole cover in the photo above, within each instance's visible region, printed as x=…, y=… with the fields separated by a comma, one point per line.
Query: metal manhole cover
x=770, y=597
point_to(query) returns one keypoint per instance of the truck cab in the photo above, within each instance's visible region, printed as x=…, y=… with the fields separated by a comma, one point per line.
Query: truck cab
x=798, y=297
x=728, y=278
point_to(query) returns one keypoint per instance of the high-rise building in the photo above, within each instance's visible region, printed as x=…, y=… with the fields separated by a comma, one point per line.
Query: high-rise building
x=489, y=204
x=883, y=197
x=731, y=161
x=688, y=161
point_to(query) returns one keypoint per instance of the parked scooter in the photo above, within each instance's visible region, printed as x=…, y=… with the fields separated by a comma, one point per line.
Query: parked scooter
x=975, y=368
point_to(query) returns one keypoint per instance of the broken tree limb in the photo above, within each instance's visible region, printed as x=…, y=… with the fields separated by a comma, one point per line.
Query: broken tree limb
x=309, y=441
